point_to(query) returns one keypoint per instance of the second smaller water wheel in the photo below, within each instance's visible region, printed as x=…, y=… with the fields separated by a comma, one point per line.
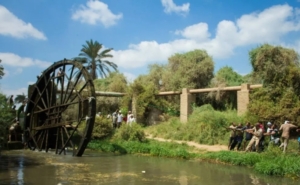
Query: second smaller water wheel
x=61, y=110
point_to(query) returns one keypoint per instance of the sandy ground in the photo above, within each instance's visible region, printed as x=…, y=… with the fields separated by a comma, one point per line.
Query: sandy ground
x=211, y=148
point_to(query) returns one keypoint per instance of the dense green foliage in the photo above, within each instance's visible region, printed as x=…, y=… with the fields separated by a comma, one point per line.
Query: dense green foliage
x=114, y=82
x=94, y=59
x=188, y=70
x=193, y=69
x=278, y=68
x=102, y=128
x=1, y=70
x=205, y=125
x=130, y=133
x=142, y=95
x=6, y=117
x=225, y=77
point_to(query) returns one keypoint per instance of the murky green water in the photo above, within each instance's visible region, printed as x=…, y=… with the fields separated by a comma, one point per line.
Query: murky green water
x=27, y=167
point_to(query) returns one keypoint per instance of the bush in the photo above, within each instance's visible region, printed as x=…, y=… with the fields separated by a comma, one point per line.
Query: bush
x=130, y=133
x=6, y=117
x=205, y=125
x=102, y=128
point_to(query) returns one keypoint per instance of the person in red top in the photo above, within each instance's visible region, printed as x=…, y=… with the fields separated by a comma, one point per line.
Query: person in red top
x=262, y=127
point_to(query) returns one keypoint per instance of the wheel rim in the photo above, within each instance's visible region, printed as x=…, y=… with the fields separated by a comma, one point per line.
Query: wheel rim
x=60, y=113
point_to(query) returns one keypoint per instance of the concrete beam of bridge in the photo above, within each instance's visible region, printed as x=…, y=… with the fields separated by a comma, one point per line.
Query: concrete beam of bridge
x=187, y=97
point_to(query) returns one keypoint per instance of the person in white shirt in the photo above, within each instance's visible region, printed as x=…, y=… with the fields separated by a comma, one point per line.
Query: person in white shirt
x=128, y=116
x=131, y=120
x=59, y=76
x=119, y=119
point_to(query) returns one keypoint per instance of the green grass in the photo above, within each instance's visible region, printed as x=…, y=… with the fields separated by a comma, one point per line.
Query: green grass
x=270, y=162
x=149, y=147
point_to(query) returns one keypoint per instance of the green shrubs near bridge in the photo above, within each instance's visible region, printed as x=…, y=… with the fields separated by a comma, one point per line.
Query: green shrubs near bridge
x=205, y=126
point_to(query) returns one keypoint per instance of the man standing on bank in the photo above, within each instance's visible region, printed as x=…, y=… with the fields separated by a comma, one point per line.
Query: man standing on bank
x=257, y=134
x=285, y=128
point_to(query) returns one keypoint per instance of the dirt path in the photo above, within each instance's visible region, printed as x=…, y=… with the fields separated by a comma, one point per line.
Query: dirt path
x=211, y=148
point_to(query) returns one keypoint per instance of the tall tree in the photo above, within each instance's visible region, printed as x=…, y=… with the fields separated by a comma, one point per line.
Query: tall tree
x=226, y=76
x=193, y=69
x=94, y=59
x=1, y=70
x=6, y=115
x=279, y=70
x=20, y=98
x=229, y=76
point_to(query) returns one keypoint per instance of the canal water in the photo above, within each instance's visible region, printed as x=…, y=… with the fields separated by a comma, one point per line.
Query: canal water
x=30, y=168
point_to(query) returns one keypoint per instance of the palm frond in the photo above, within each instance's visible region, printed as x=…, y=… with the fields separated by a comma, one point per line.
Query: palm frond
x=91, y=50
x=20, y=98
x=82, y=60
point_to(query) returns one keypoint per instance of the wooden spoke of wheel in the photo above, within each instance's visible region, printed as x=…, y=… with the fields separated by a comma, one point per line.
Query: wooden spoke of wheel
x=45, y=110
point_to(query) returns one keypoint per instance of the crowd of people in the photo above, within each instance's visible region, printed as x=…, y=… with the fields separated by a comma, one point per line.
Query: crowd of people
x=118, y=118
x=254, y=138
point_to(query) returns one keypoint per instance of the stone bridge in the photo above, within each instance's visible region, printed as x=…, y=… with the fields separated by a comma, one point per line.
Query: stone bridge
x=187, y=98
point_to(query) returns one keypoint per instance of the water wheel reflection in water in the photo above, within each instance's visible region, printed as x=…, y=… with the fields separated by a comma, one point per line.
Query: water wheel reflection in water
x=61, y=110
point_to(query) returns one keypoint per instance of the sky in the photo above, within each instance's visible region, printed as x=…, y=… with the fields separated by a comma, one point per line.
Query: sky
x=36, y=33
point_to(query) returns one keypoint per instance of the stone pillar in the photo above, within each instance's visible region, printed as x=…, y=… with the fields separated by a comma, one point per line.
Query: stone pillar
x=133, y=108
x=243, y=99
x=186, y=100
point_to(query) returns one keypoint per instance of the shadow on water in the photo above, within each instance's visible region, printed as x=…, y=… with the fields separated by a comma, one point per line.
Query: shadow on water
x=8, y=162
x=12, y=165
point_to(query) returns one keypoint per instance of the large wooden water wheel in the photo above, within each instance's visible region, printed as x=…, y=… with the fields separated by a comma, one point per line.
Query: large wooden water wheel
x=61, y=110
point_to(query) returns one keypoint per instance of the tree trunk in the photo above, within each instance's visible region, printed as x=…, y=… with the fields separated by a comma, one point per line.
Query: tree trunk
x=93, y=70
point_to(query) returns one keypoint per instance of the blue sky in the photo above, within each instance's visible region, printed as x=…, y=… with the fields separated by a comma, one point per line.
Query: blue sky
x=36, y=33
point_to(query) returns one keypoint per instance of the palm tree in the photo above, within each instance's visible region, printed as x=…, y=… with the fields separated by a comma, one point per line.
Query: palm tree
x=93, y=59
x=20, y=98
x=1, y=70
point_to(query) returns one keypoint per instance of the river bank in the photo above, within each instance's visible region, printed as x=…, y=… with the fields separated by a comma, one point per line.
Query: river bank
x=271, y=162
x=29, y=167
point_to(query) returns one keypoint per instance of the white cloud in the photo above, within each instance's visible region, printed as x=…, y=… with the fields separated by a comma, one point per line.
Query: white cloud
x=96, y=11
x=18, y=71
x=129, y=76
x=198, y=32
x=6, y=73
x=295, y=45
x=15, y=91
x=15, y=27
x=269, y=26
x=14, y=60
x=170, y=6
